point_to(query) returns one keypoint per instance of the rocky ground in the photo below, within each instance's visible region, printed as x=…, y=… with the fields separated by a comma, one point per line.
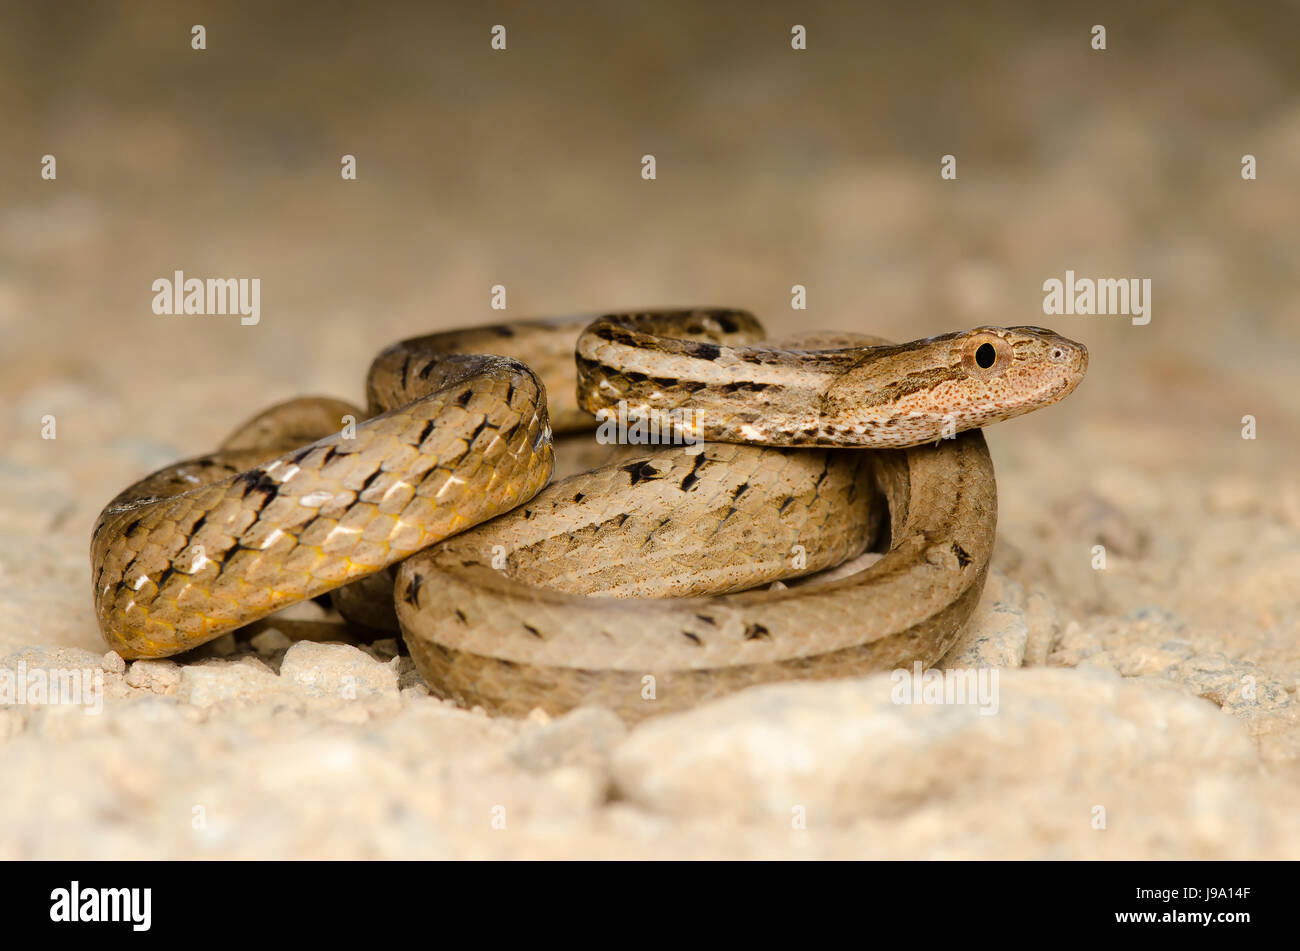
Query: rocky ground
x=1147, y=708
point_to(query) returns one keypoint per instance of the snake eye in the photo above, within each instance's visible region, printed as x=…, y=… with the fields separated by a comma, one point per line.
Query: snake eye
x=986, y=356
x=1056, y=354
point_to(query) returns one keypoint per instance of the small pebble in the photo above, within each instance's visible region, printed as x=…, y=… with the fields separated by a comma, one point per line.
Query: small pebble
x=223, y=646
x=269, y=641
x=157, y=676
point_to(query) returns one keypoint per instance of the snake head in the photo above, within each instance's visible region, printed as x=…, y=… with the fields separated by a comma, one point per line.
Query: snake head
x=925, y=390
x=1025, y=367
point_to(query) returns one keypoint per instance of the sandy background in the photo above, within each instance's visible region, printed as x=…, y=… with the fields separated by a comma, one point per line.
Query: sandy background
x=1163, y=687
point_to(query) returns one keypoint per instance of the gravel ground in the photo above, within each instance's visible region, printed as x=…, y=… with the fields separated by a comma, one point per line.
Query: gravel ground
x=1146, y=708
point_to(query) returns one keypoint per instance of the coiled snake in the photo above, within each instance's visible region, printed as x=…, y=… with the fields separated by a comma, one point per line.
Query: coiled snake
x=640, y=584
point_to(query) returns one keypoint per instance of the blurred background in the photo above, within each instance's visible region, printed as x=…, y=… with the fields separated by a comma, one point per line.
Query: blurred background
x=775, y=167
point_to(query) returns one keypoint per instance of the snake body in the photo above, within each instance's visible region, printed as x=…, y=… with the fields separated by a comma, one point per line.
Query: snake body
x=635, y=584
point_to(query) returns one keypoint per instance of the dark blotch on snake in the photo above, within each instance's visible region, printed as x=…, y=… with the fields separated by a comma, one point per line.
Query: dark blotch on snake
x=691, y=478
x=616, y=335
x=257, y=480
x=754, y=632
x=643, y=471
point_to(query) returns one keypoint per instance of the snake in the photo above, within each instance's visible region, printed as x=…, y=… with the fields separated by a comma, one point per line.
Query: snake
x=817, y=506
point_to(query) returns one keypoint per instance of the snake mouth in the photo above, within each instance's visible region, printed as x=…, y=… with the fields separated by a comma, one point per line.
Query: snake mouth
x=1077, y=368
x=1059, y=388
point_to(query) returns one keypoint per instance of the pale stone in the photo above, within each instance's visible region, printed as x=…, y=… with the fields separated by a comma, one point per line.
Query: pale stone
x=997, y=633
x=223, y=646
x=338, y=672
x=1232, y=496
x=210, y=682
x=54, y=658
x=269, y=640
x=845, y=750
x=582, y=737
x=1042, y=623
x=157, y=676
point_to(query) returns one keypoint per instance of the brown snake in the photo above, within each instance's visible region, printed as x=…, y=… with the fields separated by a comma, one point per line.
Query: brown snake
x=625, y=585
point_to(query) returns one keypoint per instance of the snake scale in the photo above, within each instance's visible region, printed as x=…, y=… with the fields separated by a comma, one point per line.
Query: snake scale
x=648, y=582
